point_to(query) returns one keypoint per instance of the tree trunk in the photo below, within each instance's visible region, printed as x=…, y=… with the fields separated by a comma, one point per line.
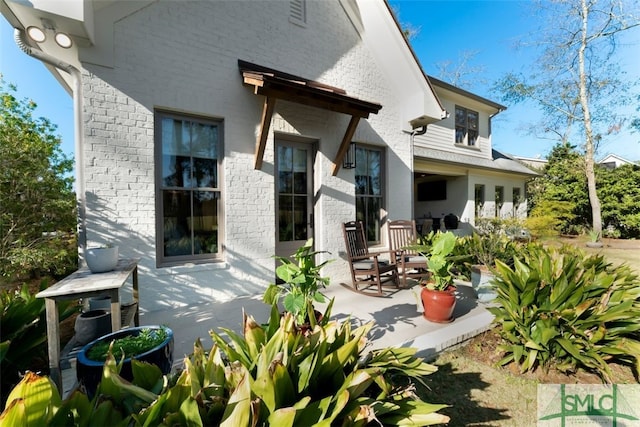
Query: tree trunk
x=589, y=140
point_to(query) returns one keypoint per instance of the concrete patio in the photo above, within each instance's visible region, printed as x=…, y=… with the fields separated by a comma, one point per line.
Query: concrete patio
x=397, y=318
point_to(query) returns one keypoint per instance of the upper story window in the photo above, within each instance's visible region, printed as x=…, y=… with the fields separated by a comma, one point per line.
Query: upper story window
x=466, y=126
x=188, y=213
x=369, y=191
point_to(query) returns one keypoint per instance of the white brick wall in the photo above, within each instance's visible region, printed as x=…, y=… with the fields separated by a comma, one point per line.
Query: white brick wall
x=183, y=56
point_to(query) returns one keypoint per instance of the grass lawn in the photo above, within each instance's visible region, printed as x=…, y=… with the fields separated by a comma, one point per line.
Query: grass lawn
x=482, y=394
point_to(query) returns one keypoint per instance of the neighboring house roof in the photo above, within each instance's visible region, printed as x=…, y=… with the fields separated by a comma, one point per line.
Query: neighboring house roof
x=499, y=162
x=534, y=162
x=614, y=158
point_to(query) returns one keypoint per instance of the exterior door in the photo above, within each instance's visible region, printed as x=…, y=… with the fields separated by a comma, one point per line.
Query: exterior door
x=294, y=195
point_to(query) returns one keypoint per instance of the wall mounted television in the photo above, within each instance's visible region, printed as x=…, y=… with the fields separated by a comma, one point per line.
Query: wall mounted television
x=432, y=190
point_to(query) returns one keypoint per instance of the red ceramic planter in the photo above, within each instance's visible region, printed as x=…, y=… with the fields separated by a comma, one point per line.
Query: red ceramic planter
x=438, y=305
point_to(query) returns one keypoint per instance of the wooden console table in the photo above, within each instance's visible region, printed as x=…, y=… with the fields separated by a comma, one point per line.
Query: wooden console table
x=84, y=284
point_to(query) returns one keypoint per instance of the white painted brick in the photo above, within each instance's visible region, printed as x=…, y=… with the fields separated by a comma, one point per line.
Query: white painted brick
x=183, y=56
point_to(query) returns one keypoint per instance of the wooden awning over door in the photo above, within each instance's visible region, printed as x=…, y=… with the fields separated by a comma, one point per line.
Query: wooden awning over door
x=273, y=85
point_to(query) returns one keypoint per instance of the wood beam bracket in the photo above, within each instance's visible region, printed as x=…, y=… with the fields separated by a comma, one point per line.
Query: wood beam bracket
x=344, y=146
x=265, y=124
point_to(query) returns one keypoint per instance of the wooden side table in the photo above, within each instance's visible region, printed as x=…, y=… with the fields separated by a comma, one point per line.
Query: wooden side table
x=84, y=284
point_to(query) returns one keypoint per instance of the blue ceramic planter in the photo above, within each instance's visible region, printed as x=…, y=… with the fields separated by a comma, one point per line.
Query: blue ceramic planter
x=89, y=372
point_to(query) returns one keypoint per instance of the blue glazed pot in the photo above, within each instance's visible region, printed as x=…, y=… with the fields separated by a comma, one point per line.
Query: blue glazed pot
x=89, y=372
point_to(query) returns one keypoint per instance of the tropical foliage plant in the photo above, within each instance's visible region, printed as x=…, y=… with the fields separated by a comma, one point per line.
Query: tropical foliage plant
x=559, y=307
x=23, y=332
x=270, y=375
x=302, y=283
x=441, y=258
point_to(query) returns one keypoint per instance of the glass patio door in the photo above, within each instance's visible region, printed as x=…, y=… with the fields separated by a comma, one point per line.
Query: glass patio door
x=294, y=196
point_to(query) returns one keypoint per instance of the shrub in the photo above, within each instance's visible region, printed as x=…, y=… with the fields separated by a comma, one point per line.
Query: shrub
x=559, y=307
x=549, y=217
x=272, y=375
x=24, y=334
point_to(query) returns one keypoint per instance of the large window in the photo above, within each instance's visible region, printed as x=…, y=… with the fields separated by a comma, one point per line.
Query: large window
x=466, y=126
x=188, y=199
x=369, y=191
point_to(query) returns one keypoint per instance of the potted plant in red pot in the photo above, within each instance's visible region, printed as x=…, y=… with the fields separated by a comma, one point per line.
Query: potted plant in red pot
x=438, y=292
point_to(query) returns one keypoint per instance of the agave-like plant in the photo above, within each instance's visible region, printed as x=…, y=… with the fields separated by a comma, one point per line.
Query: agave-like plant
x=269, y=375
x=559, y=307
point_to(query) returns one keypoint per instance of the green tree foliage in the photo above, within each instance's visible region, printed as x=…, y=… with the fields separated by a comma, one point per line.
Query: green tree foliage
x=37, y=202
x=619, y=191
x=559, y=198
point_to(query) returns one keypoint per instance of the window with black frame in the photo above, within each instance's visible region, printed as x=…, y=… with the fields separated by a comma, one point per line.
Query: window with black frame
x=369, y=191
x=188, y=187
x=466, y=132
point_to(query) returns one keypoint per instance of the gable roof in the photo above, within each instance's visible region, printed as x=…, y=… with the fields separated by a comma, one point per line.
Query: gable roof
x=382, y=35
x=614, y=157
x=465, y=93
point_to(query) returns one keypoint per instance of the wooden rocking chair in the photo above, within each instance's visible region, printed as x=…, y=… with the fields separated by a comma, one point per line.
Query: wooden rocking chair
x=402, y=233
x=366, y=269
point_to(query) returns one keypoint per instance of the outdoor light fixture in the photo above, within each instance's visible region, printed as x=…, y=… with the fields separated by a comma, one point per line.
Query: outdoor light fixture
x=39, y=34
x=350, y=157
x=36, y=34
x=63, y=40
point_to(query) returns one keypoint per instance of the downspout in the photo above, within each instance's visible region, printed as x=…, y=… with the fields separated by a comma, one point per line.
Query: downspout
x=19, y=38
x=412, y=135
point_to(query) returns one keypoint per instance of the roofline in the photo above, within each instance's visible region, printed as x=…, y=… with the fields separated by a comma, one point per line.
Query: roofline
x=413, y=54
x=616, y=156
x=466, y=93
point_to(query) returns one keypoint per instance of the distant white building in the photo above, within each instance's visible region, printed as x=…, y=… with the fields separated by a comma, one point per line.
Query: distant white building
x=613, y=161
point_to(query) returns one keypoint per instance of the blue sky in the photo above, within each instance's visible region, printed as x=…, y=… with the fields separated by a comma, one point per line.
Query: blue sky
x=446, y=29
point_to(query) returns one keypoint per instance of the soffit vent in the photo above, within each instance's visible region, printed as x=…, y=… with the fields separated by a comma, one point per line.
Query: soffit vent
x=298, y=12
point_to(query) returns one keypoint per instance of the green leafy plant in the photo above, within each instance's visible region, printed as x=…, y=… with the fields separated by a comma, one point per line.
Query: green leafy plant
x=24, y=333
x=270, y=375
x=485, y=249
x=440, y=259
x=302, y=283
x=594, y=236
x=559, y=307
x=128, y=346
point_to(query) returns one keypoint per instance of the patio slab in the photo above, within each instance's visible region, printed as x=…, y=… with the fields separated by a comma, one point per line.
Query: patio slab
x=397, y=317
